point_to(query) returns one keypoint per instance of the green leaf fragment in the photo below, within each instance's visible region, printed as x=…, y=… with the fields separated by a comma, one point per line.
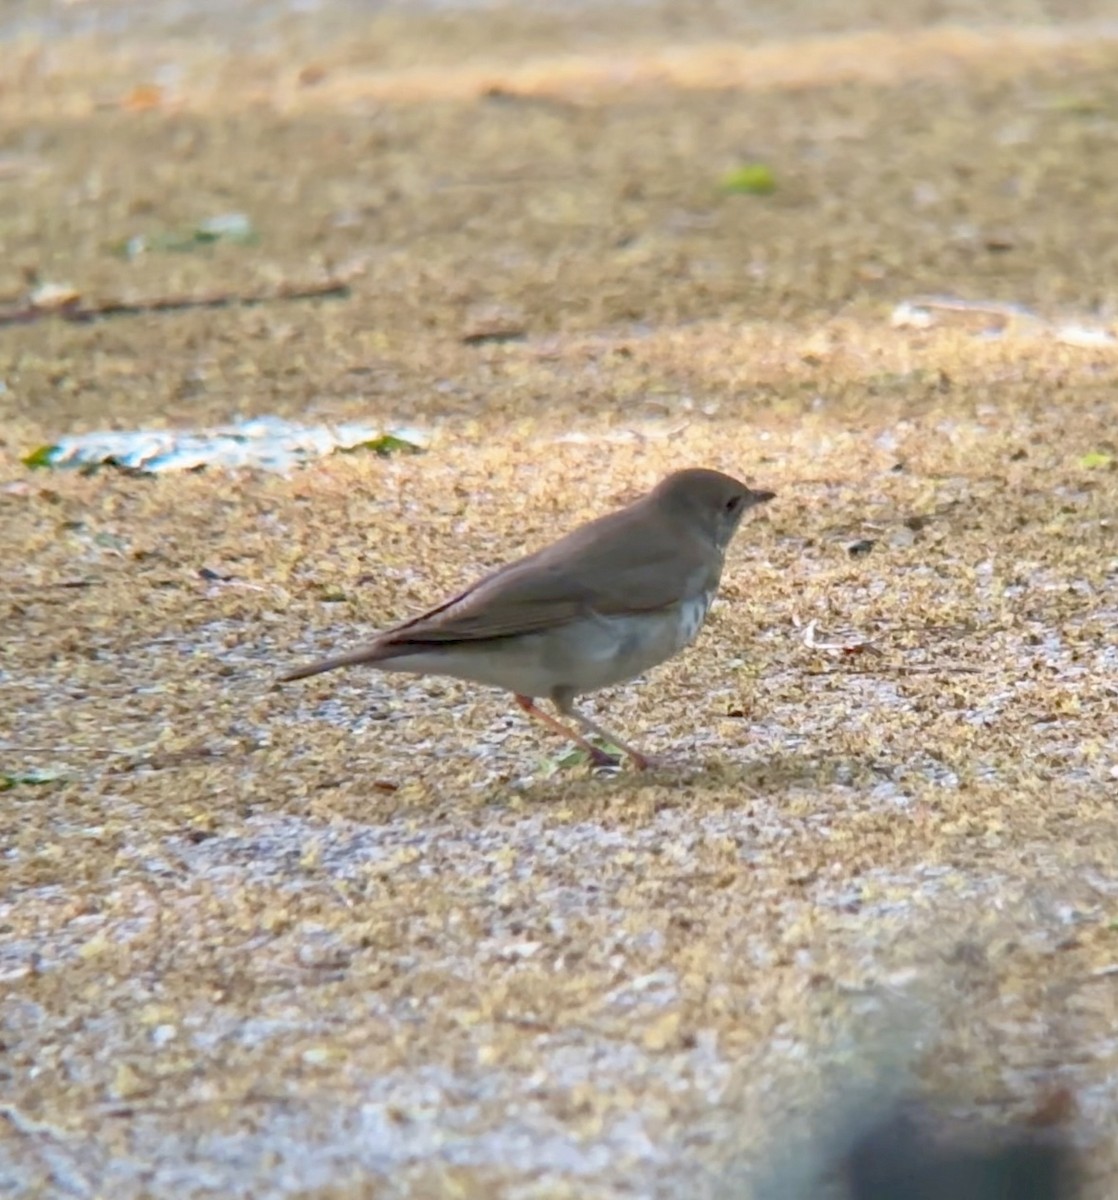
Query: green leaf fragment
x=228, y=227
x=13, y=779
x=573, y=758
x=577, y=758
x=1096, y=459
x=750, y=179
x=43, y=457
x=1078, y=105
x=386, y=444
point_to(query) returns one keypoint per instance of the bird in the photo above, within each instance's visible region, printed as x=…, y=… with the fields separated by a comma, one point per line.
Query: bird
x=600, y=606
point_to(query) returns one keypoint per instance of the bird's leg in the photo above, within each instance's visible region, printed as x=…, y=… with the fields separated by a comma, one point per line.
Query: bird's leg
x=564, y=702
x=639, y=760
x=598, y=757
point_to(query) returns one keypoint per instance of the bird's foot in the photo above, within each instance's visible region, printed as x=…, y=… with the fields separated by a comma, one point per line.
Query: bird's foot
x=648, y=762
x=602, y=759
x=613, y=756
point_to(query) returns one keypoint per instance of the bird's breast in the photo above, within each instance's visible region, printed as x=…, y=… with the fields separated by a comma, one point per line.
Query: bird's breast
x=692, y=614
x=599, y=651
x=641, y=640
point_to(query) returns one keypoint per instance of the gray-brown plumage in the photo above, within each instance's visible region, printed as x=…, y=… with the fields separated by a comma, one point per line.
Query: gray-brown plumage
x=607, y=602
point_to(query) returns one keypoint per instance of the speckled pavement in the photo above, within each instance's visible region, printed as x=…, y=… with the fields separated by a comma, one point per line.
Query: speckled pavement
x=367, y=936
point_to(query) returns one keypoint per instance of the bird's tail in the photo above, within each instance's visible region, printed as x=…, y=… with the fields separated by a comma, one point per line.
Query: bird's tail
x=373, y=653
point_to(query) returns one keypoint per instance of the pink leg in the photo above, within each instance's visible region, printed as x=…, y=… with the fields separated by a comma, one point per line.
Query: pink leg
x=640, y=761
x=598, y=757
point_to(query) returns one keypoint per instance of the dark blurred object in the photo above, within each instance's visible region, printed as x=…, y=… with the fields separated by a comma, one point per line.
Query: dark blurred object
x=903, y=1157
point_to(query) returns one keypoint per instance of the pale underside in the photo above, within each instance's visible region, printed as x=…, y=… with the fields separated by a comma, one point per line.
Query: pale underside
x=581, y=656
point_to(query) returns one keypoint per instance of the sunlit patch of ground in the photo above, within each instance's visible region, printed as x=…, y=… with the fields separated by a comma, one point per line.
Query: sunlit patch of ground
x=287, y=942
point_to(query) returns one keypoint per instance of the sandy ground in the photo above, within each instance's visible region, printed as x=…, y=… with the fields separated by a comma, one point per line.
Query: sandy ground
x=364, y=937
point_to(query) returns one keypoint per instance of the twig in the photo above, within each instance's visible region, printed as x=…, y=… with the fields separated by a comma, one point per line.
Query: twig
x=865, y=646
x=81, y=314
x=24, y=1124
x=855, y=646
x=986, y=308
x=913, y=669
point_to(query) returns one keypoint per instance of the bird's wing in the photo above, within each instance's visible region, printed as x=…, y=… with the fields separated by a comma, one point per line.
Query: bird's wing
x=607, y=567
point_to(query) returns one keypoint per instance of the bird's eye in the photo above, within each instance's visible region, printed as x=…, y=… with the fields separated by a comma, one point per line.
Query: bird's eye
x=732, y=504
